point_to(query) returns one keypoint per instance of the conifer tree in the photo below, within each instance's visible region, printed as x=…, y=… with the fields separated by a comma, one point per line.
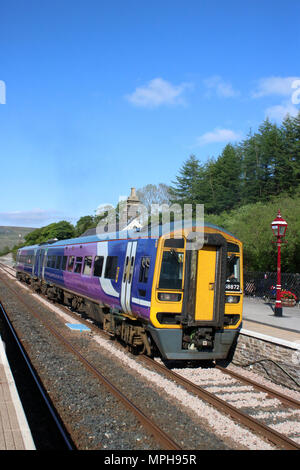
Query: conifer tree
x=251, y=189
x=227, y=171
x=184, y=189
x=290, y=130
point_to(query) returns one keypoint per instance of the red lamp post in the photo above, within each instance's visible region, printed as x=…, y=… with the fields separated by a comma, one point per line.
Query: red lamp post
x=279, y=226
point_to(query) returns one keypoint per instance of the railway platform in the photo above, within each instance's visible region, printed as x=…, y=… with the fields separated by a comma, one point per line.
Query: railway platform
x=259, y=318
x=14, y=430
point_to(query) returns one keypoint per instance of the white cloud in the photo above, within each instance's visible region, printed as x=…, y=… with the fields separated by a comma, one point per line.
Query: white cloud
x=34, y=216
x=220, y=87
x=281, y=86
x=158, y=92
x=218, y=135
x=279, y=112
x=287, y=87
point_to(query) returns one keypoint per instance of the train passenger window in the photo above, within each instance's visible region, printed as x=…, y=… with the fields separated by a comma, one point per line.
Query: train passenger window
x=171, y=270
x=71, y=263
x=78, y=264
x=111, y=267
x=58, y=261
x=64, y=263
x=49, y=260
x=144, y=269
x=53, y=262
x=98, y=265
x=87, y=269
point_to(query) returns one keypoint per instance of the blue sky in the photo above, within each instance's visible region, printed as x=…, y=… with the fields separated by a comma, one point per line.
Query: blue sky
x=97, y=97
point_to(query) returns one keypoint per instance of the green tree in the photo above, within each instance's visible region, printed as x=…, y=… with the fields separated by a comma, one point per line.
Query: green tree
x=290, y=130
x=83, y=224
x=227, y=180
x=251, y=224
x=184, y=189
x=206, y=187
x=60, y=230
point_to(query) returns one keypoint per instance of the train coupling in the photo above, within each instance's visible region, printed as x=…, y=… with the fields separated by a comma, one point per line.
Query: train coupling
x=200, y=338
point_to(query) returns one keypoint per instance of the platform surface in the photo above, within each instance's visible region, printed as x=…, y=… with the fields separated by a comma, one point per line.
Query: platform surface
x=258, y=316
x=14, y=430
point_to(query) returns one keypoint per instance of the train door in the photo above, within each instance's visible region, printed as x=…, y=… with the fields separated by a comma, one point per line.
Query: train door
x=34, y=260
x=127, y=277
x=205, y=283
x=204, y=286
x=41, y=257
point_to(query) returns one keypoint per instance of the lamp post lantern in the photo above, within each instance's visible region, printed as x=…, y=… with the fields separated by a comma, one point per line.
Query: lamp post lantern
x=279, y=226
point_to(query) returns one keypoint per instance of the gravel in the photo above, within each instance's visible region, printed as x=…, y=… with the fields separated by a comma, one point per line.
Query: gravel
x=95, y=419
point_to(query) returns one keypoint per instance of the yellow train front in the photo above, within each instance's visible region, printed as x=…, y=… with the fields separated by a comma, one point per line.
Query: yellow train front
x=197, y=295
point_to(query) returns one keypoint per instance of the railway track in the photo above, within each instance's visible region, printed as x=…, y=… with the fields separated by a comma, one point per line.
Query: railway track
x=160, y=436
x=224, y=406
x=54, y=421
x=255, y=425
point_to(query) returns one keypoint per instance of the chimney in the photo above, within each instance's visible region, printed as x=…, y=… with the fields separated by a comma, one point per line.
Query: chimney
x=133, y=203
x=133, y=196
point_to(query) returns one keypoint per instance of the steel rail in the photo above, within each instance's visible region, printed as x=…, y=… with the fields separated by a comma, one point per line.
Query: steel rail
x=5, y=266
x=246, y=420
x=36, y=380
x=263, y=388
x=255, y=425
x=167, y=442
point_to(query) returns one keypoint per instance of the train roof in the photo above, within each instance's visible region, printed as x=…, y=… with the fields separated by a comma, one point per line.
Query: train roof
x=156, y=232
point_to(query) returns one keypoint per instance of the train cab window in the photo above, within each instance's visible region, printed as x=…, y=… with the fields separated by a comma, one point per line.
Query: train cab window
x=58, y=261
x=78, y=264
x=111, y=267
x=98, y=265
x=233, y=272
x=71, y=263
x=171, y=270
x=144, y=269
x=87, y=269
x=64, y=263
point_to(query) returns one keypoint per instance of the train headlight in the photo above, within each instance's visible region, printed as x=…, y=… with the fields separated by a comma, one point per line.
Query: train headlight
x=168, y=297
x=232, y=299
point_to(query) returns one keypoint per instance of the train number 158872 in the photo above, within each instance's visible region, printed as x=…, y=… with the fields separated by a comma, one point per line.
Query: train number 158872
x=232, y=287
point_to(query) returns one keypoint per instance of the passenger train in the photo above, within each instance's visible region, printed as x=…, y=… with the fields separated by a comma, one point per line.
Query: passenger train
x=152, y=293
